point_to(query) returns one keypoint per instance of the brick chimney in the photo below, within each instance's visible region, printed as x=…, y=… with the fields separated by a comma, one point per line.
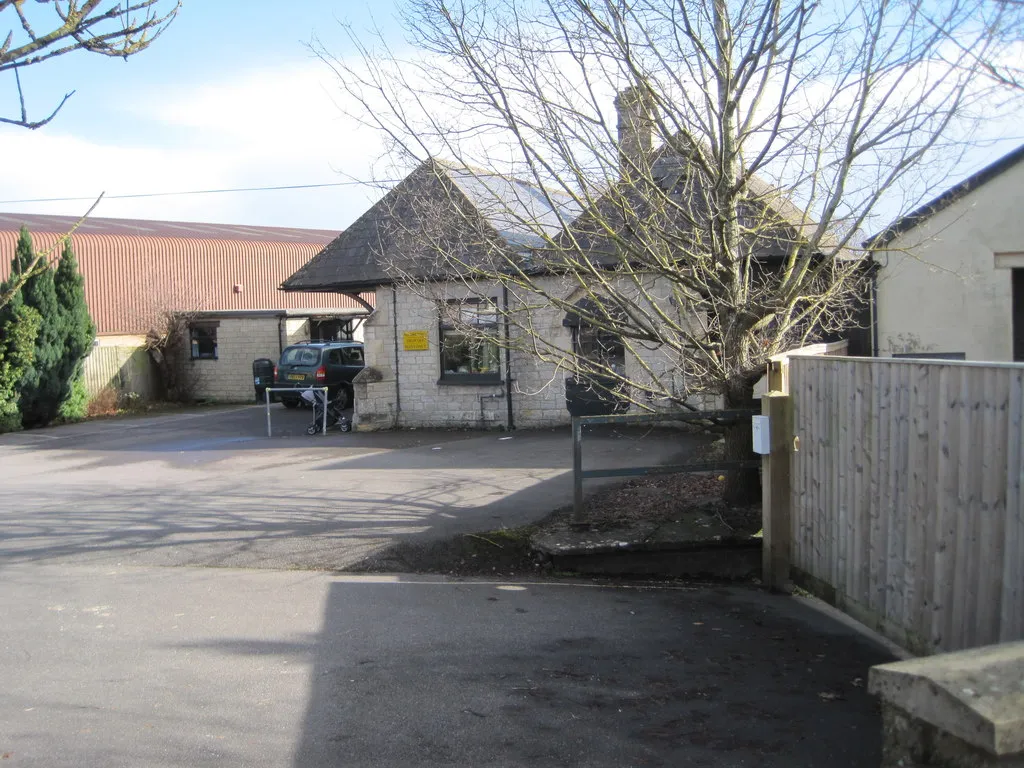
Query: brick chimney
x=635, y=108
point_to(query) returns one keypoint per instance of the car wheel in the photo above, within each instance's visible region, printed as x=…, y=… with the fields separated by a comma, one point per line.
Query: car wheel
x=290, y=403
x=343, y=399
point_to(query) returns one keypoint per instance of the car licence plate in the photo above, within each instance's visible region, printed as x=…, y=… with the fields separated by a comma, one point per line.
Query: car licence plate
x=296, y=377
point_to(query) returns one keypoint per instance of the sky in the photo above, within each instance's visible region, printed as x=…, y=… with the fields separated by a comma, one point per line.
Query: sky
x=229, y=97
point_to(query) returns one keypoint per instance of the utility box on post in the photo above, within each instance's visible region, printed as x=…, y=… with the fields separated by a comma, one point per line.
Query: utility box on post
x=761, y=429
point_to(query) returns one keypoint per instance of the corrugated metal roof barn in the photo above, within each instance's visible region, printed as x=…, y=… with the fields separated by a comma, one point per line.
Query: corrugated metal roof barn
x=135, y=270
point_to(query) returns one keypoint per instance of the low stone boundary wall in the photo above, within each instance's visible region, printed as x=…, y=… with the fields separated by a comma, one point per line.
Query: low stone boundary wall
x=953, y=710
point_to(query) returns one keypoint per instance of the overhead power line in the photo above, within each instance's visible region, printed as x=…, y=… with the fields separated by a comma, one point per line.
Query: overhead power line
x=199, y=192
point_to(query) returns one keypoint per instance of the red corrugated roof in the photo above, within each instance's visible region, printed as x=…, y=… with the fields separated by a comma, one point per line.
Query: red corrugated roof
x=133, y=275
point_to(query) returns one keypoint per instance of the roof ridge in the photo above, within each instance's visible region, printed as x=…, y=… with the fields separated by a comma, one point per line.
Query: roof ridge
x=946, y=199
x=479, y=171
x=62, y=222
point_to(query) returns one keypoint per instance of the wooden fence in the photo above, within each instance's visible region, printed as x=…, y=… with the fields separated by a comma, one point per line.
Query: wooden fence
x=905, y=505
x=124, y=368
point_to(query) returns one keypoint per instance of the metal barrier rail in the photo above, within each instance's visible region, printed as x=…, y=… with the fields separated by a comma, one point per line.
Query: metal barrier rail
x=322, y=390
x=579, y=474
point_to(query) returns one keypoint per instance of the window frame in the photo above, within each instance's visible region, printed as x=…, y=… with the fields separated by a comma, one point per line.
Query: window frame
x=210, y=328
x=445, y=326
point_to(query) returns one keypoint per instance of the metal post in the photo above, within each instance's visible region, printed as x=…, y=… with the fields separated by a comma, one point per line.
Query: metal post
x=324, y=393
x=577, y=471
x=266, y=392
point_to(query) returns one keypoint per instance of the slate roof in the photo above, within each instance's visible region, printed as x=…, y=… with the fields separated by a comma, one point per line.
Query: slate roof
x=472, y=214
x=780, y=222
x=516, y=209
x=946, y=199
x=487, y=215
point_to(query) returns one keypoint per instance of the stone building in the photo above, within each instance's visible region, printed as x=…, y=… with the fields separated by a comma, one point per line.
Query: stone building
x=446, y=347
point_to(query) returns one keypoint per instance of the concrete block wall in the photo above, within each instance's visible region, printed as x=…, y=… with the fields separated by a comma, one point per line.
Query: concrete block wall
x=239, y=342
x=295, y=329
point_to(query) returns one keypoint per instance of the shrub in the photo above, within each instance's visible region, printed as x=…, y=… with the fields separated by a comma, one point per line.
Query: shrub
x=19, y=326
x=104, y=403
x=76, y=405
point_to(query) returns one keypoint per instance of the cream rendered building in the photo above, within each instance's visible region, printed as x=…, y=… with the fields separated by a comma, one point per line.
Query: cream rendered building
x=951, y=277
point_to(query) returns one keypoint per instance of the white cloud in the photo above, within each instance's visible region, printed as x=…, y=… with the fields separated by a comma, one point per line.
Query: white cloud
x=256, y=128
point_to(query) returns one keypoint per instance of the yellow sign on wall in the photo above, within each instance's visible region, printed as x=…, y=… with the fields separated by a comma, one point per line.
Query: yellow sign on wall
x=415, y=341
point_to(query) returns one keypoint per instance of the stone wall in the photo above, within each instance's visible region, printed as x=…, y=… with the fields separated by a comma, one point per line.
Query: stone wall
x=416, y=396
x=239, y=342
x=374, y=388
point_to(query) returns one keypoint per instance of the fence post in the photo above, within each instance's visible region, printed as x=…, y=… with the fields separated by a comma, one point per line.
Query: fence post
x=775, y=492
x=577, y=471
x=778, y=374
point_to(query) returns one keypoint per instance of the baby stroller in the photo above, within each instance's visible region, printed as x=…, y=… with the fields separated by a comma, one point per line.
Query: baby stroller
x=334, y=415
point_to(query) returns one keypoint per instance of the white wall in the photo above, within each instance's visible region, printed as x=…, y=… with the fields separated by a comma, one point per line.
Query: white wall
x=943, y=286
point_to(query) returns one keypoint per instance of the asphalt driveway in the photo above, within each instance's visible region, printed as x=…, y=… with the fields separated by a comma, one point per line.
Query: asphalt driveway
x=108, y=660
x=164, y=667
x=210, y=488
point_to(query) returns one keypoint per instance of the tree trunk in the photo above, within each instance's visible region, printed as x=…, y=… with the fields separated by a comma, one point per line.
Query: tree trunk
x=742, y=486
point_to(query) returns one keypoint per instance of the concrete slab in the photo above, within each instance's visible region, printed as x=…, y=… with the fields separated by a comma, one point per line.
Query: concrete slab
x=975, y=695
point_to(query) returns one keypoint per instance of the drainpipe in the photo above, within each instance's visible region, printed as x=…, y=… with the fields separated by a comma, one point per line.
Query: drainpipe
x=509, y=423
x=280, y=334
x=394, y=325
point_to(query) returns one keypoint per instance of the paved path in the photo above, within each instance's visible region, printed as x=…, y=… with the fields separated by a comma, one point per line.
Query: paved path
x=126, y=667
x=210, y=488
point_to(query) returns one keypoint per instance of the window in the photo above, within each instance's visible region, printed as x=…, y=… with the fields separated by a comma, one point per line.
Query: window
x=203, y=340
x=352, y=355
x=469, y=350
x=593, y=346
x=601, y=347
x=300, y=356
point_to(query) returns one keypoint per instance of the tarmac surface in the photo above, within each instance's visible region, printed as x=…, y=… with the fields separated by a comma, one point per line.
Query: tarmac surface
x=112, y=654
x=161, y=667
x=210, y=488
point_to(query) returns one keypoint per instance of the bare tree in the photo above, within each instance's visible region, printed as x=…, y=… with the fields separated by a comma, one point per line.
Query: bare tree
x=121, y=29
x=716, y=223
x=1002, y=20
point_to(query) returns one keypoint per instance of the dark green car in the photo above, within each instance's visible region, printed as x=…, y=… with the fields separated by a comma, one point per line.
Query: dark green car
x=331, y=364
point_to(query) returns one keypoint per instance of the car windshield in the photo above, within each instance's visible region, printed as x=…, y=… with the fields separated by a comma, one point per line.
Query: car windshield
x=300, y=356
